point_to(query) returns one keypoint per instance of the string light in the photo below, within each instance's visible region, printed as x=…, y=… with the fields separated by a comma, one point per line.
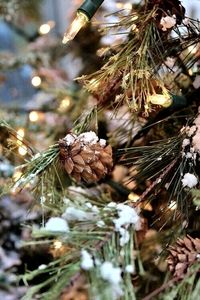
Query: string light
x=22, y=150
x=64, y=104
x=122, y=5
x=80, y=21
x=17, y=174
x=164, y=100
x=133, y=197
x=46, y=27
x=33, y=116
x=20, y=135
x=36, y=81
x=85, y=12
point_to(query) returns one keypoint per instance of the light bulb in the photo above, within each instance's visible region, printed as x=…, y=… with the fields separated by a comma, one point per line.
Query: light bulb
x=46, y=27
x=36, y=81
x=133, y=197
x=64, y=104
x=22, y=150
x=80, y=21
x=20, y=134
x=164, y=100
x=33, y=116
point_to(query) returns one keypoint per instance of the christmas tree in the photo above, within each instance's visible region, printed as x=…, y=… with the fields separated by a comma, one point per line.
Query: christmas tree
x=110, y=163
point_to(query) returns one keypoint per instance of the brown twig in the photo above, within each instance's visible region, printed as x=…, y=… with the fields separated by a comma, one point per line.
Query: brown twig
x=152, y=186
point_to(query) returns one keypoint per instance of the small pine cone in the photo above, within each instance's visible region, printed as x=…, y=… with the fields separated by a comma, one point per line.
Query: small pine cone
x=85, y=157
x=184, y=254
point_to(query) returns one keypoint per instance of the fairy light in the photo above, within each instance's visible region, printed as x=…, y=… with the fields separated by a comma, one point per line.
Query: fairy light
x=20, y=134
x=164, y=100
x=133, y=197
x=85, y=12
x=172, y=205
x=57, y=244
x=122, y=5
x=79, y=22
x=46, y=27
x=33, y=116
x=16, y=176
x=22, y=150
x=64, y=104
x=36, y=81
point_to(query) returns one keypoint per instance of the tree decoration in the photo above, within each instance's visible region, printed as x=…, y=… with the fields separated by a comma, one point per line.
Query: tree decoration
x=84, y=13
x=183, y=255
x=85, y=157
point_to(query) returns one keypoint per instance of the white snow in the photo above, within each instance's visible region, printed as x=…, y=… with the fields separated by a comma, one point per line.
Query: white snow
x=89, y=137
x=70, y=138
x=167, y=22
x=189, y=180
x=101, y=223
x=110, y=273
x=102, y=143
x=124, y=236
x=129, y=269
x=56, y=224
x=191, y=130
x=185, y=143
x=75, y=214
x=127, y=216
x=86, y=260
x=42, y=267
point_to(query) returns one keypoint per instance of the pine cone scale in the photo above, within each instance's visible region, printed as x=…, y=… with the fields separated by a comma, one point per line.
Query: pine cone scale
x=85, y=157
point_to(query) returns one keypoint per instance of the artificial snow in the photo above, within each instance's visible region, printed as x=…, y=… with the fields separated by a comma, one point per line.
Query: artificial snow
x=100, y=223
x=127, y=216
x=56, y=224
x=42, y=267
x=124, y=236
x=110, y=273
x=189, y=180
x=129, y=269
x=167, y=22
x=185, y=143
x=76, y=214
x=89, y=137
x=102, y=143
x=70, y=138
x=86, y=260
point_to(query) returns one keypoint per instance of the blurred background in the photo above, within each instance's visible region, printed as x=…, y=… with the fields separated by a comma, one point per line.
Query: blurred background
x=28, y=36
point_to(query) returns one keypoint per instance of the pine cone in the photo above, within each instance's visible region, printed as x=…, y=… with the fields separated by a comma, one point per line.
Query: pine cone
x=183, y=255
x=85, y=157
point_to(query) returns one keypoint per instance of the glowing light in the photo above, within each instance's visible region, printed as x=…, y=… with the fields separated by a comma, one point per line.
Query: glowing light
x=65, y=103
x=17, y=175
x=33, y=116
x=133, y=197
x=172, y=205
x=57, y=244
x=44, y=28
x=22, y=150
x=80, y=21
x=36, y=81
x=122, y=5
x=20, y=135
x=164, y=100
